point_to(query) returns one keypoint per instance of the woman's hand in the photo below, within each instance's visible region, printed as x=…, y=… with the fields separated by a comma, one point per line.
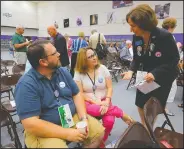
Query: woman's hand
x=127, y=75
x=97, y=102
x=105, y=103
x=149, y=77
x=103, y=109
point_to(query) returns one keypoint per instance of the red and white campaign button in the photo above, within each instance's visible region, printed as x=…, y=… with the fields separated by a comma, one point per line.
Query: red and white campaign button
x=158, y=54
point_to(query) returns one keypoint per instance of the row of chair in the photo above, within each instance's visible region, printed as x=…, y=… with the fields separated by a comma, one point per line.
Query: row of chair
x=8, y=82
x=137, y=136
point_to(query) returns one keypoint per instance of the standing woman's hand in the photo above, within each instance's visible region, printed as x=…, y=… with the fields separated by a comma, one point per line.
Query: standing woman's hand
x=149, y=77
x=127, y=75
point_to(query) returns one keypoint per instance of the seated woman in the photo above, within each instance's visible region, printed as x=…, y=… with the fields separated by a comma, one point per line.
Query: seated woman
x=95, y=84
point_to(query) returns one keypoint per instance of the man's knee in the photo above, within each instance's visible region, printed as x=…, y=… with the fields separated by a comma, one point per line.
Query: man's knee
x=52, y=143
x=36, y=142
x=96, y=130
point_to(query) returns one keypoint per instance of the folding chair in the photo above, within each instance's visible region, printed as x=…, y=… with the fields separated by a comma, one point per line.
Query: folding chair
x=18, y=69
x=132, y=80
x=7, y=82
x=6, y=120
x=135, y=133
x=152, y=109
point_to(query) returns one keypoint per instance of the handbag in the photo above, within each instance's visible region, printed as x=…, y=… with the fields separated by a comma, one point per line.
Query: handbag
x=101, y=49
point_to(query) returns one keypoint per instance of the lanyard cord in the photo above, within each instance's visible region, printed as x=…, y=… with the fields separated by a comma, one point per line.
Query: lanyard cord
x=55, y=91
x=146, y=48
x=94, y=86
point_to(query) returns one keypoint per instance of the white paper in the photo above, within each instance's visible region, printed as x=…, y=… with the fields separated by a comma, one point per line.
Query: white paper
x=146, y=87
x=12, y=102
x=140, y=76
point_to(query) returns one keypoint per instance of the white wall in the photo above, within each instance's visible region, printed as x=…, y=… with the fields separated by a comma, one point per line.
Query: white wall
x=11, y=31
x=22, y=12
x=51, y=11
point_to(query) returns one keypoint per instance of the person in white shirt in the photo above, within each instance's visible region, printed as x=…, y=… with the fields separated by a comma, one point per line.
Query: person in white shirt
x=129, y=46
x=95, y=84
x=93, y=39
x=111, y=49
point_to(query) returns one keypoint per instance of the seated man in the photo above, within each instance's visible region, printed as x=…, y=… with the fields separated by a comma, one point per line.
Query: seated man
x=39, y=95
x=126, y=54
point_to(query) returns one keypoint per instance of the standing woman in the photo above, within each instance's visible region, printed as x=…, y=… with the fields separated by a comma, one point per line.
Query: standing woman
x=155, y=51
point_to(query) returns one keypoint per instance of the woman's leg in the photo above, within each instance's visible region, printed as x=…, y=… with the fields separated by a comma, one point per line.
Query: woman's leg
x=141, y=114
x=94, y=110
x=109, y=117
x=108, y=122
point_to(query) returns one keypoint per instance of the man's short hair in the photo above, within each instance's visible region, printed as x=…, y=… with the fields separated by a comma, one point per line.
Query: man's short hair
x=36, y=51
x=66, y=35
x=93, y=31
x=128, y=42
x=19, y=26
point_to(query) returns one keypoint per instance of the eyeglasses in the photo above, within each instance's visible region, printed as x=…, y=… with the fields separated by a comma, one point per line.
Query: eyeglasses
x=91, y=56
x=51, y=54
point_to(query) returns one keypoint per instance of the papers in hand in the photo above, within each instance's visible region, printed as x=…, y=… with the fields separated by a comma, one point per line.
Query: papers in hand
x=146, y=87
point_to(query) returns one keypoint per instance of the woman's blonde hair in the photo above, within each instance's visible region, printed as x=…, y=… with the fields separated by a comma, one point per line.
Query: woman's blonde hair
x=81, y=63
x=169, y=23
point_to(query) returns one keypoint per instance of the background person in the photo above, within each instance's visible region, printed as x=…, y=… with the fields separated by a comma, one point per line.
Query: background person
x=170, y=24
x=155, y=51
x=20, y=44
x=60, y=44
x=80, y=42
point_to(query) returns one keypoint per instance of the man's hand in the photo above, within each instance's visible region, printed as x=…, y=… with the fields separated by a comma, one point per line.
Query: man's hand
x=127, y=75
x=87, y=128
x=103, y=109
x=27, y=43
x=149, y=77
x=74, y=135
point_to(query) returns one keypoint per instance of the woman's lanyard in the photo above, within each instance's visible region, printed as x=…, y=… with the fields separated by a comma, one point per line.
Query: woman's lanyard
x=94, y=86
x=148, y=46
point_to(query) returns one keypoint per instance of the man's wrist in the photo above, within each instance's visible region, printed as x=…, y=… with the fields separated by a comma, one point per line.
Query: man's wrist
x=85, y=117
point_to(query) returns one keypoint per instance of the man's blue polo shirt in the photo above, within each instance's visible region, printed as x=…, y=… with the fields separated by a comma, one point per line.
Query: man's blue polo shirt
x=34, y=95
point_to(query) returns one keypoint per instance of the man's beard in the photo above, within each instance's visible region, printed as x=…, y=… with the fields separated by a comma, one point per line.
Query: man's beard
x=54, y=66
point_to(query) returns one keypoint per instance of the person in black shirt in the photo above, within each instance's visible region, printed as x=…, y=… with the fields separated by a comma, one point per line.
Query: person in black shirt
x=156, y=51
x=60, y=44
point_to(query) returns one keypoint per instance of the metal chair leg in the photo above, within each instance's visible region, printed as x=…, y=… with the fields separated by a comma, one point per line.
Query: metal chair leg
x=10, y=133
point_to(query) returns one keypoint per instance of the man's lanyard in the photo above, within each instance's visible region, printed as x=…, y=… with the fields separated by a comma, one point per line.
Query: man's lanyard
x=94, y=86
x=55, y=91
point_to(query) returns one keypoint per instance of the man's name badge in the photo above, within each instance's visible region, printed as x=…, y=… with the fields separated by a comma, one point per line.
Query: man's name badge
x=65, y=116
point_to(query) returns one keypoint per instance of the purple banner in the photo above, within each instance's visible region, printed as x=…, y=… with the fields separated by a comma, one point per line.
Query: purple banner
x=109, y=38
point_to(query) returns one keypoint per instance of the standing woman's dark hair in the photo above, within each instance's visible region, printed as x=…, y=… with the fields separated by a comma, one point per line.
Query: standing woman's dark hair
x=143, y=16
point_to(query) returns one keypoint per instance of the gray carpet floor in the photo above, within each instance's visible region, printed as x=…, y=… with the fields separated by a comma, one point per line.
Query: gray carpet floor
x=125, y=99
